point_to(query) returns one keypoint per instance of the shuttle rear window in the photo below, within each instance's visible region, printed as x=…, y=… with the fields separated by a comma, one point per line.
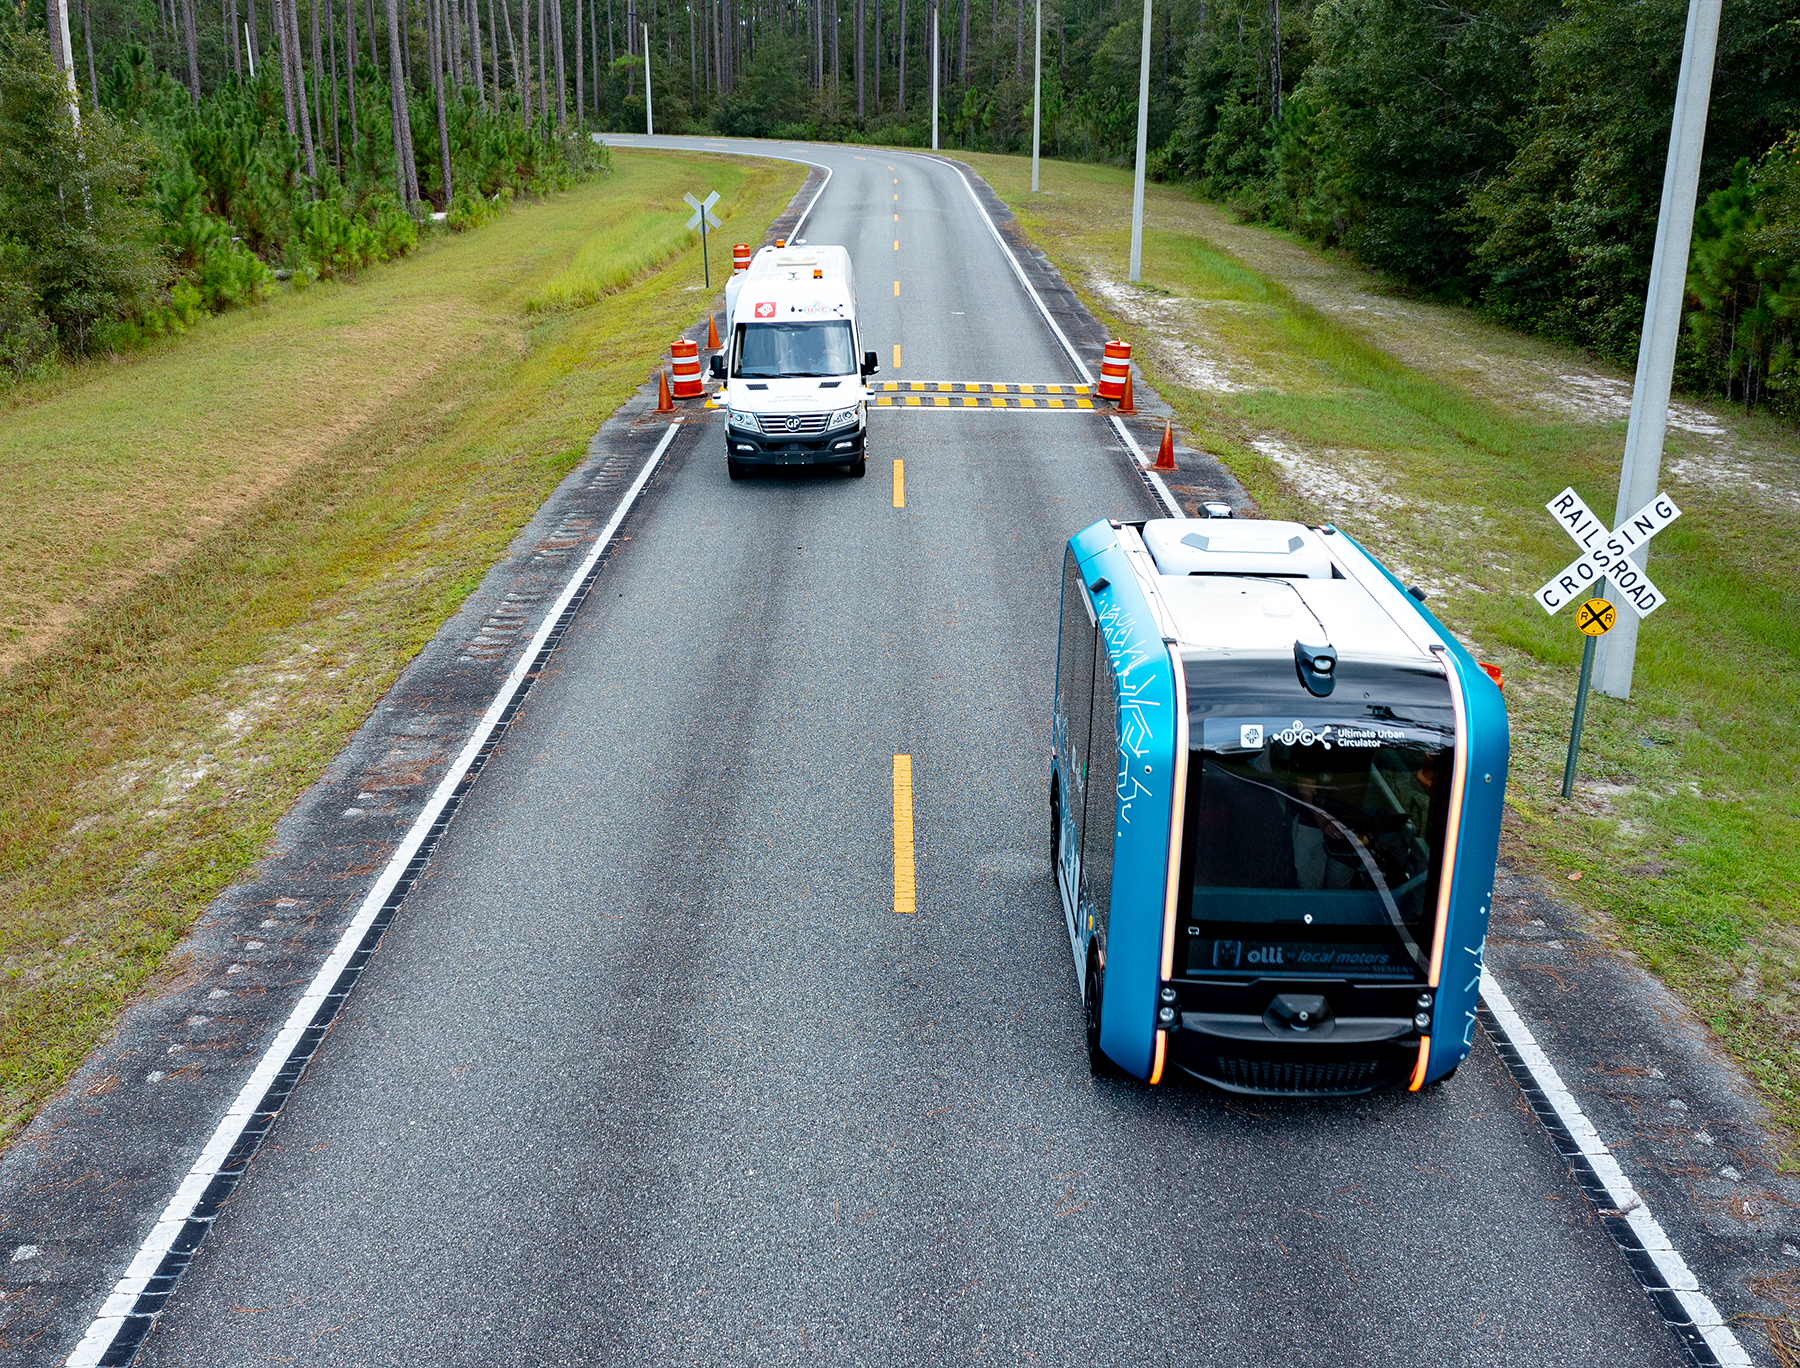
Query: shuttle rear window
x=772, y=351
x=1307, y=856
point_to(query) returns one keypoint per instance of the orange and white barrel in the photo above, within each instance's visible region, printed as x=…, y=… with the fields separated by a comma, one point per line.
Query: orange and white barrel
x=740, y=257
x=684, y=357
x=1114, y=370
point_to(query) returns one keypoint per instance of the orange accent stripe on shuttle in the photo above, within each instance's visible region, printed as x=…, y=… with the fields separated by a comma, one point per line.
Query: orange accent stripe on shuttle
x=1162, y=1046
x=1177, y=801
x=1459, y=773
x=1418, y=1073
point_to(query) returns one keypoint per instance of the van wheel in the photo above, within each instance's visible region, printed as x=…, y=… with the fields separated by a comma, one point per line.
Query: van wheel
x=859, y=467
x=1099, y=1062
x=735, y=468
x=1055, y=825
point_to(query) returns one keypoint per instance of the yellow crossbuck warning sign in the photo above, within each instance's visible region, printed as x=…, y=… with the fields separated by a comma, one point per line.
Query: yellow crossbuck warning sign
x=1596, y=617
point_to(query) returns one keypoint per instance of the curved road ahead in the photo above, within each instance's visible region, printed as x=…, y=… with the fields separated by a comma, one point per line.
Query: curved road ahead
x=649, y=1070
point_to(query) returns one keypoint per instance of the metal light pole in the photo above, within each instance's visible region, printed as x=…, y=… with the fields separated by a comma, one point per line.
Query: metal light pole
x=649, y=121
x=1137, y=190
x=1037, y=93
x=934, y=75
x=1662, y=316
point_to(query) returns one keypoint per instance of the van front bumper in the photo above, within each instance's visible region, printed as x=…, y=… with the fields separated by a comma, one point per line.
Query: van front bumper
x=762, y=448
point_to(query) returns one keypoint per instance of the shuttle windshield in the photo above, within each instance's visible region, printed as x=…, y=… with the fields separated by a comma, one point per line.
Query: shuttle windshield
x=1313, y=847
x=774, y=351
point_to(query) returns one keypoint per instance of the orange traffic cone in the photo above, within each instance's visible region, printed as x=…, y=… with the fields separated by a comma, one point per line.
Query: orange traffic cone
x=1125, y=400
x=712, y=334
x=664, y=404
x=1165, y=454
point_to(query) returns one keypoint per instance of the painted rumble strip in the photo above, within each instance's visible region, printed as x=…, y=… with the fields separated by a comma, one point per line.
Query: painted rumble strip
x=999, y=401
x=972, y=387
x=1661, y=1271
x=140, y=1296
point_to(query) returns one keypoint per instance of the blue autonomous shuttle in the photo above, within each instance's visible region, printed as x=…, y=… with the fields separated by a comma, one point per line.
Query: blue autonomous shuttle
x=1275, y=808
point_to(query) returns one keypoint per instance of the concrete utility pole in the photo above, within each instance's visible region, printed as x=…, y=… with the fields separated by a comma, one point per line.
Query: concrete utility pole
x=1037, y=94
x=62, y=52
x=934, y=74
x=1662, y=317
x=1137, y=191
x=649, y=120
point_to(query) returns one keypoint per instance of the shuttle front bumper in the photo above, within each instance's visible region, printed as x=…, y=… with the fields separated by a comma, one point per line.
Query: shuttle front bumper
x=1244, y=1038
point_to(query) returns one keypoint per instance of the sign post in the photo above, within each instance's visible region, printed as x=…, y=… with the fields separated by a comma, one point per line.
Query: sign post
x=700, y=219
x=1143, y=138
x=1662, y=305
x=1607, y=557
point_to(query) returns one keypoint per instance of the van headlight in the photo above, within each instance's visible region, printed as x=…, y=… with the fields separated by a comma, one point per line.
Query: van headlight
x=741, y=420
x=843, y=417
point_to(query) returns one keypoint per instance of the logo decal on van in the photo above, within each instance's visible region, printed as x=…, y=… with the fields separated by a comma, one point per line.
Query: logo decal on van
x=765, y=310
x=1250, y=736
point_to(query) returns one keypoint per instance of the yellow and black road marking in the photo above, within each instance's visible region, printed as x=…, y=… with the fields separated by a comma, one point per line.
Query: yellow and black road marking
x=973, y=387
x=978, y=394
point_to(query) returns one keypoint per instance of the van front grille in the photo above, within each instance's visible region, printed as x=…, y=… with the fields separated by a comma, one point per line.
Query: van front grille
x=792, y=424
x=1298, y=1076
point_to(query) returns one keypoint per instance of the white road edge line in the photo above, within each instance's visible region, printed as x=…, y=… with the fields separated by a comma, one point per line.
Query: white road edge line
x=118, y=1306
x=1143, y=467
x=1155, y=481
x=799, y=223
x=1677, y=1278
x=1087, y=376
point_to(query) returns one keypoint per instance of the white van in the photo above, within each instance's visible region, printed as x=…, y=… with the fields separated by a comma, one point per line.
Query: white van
x=794, y=391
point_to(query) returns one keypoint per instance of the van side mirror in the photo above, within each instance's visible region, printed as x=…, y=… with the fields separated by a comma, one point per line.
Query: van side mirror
x=868, y=366
x=718, y=366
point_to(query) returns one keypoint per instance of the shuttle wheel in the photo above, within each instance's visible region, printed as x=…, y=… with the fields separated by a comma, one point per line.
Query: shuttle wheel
x=735, y=468
x=859, y=467
x=1099, y=1062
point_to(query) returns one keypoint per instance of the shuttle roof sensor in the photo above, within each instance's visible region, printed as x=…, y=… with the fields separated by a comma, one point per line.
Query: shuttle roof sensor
x=1317, y=666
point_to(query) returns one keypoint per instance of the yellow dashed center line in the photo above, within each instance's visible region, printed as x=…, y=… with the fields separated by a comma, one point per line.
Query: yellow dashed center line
x=896, y=289
x=896, y=345
x=905, y=891
x=899, y=484
x=896, y=240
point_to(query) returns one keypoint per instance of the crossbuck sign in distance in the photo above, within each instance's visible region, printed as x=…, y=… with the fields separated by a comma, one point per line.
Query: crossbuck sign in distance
x=1606, y=553
x=1603, y=554
x=702, y=219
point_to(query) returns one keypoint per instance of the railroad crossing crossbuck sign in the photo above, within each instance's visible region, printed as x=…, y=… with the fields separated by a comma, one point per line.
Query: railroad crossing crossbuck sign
x=1604, y=553
x=702, y=219
x=702, y=211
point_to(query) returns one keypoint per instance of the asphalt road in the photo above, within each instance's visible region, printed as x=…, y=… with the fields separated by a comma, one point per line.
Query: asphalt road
x=650, y=1072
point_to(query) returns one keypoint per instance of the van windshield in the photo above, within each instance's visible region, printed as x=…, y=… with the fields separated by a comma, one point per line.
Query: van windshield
x=1313, y=848
x=771, y=351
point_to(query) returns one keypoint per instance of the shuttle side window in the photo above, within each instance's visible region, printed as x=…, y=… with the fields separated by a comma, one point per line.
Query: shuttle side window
x=1074, y=696
x=1103, y=793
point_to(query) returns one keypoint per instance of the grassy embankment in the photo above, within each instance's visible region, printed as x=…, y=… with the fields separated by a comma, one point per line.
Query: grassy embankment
x=218, y=556
x=1436, y=440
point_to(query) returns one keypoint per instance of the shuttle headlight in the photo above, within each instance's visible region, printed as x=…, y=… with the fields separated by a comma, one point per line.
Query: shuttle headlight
x=1423, y=1021
x=741, y=420
x=844, y=417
